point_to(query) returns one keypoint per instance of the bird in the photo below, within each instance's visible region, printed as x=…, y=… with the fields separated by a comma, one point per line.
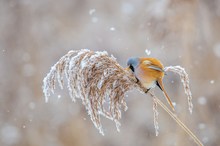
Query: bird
x=149, y=72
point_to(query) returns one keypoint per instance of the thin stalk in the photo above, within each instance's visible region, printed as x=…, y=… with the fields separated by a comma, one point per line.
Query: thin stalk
x=179, y=122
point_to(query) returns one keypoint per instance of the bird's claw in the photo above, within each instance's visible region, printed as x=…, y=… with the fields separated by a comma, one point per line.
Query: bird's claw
x=137, y=81
x=147, y=91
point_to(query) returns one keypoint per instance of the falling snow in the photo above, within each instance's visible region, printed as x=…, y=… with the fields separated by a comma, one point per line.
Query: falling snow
x=202, y=100
x=112, y=28
x=212, y=81
x=94, y=18
x=174, y=104
x=148, y=52
x=92, y=11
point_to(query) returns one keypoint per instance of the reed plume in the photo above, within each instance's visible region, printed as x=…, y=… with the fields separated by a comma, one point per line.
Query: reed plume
x=101, y=83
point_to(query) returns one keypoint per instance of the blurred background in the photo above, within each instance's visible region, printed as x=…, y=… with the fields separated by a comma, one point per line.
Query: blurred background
x=35, y=34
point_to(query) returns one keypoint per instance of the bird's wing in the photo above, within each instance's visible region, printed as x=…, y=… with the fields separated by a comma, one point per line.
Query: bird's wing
x=151, y=65
x=156, y=68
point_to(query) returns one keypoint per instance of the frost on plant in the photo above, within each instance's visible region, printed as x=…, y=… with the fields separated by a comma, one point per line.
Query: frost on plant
x=101, y=83
x=96, y=79
x=185, y=80
x=156, y=113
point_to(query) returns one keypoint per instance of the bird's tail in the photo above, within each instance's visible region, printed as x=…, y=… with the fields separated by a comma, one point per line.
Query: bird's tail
x=160, y=85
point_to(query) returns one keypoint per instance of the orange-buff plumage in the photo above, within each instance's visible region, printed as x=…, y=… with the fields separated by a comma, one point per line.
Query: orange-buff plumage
x=149, y=72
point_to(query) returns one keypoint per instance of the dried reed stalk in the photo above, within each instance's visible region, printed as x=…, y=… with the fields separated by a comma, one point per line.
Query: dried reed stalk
x=156, y=113
x=101, y=83
x=179, y=122
x=96, y=79
x=185, y=80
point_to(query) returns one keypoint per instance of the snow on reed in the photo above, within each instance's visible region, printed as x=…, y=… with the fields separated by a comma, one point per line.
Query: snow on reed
x=101, y=83
x=96, y=79
x=185, y=80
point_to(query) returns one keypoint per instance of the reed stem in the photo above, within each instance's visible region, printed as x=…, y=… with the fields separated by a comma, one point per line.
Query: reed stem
x=178, y=121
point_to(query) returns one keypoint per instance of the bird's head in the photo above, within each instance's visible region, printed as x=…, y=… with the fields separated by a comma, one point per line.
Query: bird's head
x=132, y=63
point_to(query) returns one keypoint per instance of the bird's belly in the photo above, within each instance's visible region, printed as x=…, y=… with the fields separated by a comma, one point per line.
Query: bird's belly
x=146, y=79
x=149, y=85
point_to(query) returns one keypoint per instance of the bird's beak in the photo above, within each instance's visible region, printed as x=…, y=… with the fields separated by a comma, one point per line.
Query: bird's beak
x=160, y=85
x=127, y=69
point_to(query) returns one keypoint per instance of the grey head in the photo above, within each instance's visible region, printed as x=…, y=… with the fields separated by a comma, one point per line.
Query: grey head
x=133, y=62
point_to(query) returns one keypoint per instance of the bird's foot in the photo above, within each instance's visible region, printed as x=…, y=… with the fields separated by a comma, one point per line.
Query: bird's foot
x=147, y=91
x=137, y=81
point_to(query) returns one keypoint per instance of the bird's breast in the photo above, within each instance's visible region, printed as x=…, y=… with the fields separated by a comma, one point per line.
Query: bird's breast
x=149, y=85
x=146, y=78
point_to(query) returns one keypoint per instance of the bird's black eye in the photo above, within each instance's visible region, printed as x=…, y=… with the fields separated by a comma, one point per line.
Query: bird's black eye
x=131, y=67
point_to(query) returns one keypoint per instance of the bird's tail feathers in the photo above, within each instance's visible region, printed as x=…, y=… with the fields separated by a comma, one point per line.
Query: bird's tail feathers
x=160, y=85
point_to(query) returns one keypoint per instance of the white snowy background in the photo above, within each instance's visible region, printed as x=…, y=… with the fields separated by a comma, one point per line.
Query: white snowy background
x=35, y=34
